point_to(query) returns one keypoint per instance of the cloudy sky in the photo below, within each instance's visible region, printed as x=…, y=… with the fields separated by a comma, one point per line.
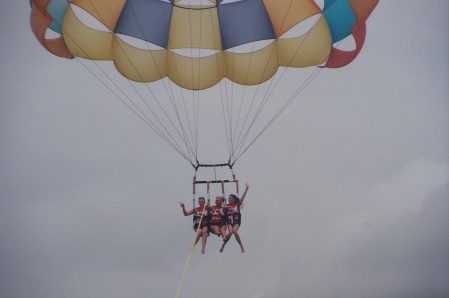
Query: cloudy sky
x=349, y=189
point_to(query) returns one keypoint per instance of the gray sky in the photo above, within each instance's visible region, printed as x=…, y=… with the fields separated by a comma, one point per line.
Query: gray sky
x=349, y=189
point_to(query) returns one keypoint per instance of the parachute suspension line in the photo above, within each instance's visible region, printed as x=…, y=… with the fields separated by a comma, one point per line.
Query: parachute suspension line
x=269, y=93
x=225, y=123
x=245, y=135
x=232, y=125
x=225, y=106
x=256, y=29
x=193, y=130
x=185, y=110
x=224, y=99
x=237, y=188
x=302, y=87
x=192, y=150
x=230, y=101
x=192, y=246
x=142, y=115
x=131, y=103
x=223, y=192
x=194, y=190
x=196, y=115
x=221, y=88
x=290, y=100
x=234, y=120
x=236, y=183
x=169, y=93
x=230, y=105
x=154, y=127
x=198, y=80
x=241, y=137
x=189, y=141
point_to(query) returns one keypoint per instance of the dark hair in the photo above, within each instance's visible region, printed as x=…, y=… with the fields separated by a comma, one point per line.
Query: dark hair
x=236, y=199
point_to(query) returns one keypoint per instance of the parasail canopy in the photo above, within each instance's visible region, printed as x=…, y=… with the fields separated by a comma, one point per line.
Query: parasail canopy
x=196, y=44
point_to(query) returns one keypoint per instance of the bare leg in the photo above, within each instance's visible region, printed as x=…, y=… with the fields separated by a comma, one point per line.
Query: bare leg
x=203, y=246
x=198, y=236
x=226, y=239
x=230, y=231
x=223, y=245
x=237, y=237
x=223, y=232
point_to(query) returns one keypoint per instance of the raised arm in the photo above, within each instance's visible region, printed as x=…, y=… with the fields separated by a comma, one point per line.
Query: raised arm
x=186, y=213
x=244, y=193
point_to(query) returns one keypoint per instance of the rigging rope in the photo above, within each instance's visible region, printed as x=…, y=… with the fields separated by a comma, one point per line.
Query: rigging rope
x=237, y=124
x=132, y=105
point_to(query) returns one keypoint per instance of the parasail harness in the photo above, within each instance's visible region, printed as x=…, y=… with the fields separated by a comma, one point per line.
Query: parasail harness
x=196, y=216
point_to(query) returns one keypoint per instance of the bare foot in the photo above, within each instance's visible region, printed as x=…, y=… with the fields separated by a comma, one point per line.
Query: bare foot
x=221, y=249
x=203, y=252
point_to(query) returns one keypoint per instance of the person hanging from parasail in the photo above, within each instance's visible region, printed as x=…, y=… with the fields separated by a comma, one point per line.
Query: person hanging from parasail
x=200, y=221
x=233, y=218
x=217, y=221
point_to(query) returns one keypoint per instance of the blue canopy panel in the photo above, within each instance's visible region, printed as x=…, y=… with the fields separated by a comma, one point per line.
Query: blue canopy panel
x=56, y=9
x=148, y=20
x=340, y=18
x=238, y=27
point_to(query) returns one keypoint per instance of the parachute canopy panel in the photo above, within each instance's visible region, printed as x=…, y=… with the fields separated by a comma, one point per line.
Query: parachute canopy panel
x=244, y=22
x=39, y=25
x=84, y=41
x=56, y=9
x=285, y=14
x=147, y=20
x=340, y=18
x=106, y=12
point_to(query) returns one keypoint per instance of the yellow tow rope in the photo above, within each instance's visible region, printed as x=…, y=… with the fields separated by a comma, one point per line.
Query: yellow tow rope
x=192, y=246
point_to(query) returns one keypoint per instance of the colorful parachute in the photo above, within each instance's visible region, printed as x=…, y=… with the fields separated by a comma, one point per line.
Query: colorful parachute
x=197, y=43
x=212, y=26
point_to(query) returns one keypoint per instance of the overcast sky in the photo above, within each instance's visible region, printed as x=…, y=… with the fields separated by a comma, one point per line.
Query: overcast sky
x=349, y=189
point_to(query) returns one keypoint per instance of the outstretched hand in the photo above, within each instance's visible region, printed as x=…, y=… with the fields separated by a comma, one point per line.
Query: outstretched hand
x=181, y=204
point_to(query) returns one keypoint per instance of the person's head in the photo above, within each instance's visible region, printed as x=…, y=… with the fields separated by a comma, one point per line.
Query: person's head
x=233, y=199
x=201, y=201
x=218, y=200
